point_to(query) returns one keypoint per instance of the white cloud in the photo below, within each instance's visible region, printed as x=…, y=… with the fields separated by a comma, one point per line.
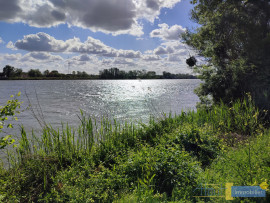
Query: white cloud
x=12, y=57
x=10, y=45
x=122, y=61
x=174, y=57
x=84, y=57
x=109, y=16
x=92, y=64
x=129, y=53
x=1, y=41
x=163, y=50
x=150, y=9
x=42, y=42
x=151, y=58
x=33, y=57
x=42, y=56
x=168, y=33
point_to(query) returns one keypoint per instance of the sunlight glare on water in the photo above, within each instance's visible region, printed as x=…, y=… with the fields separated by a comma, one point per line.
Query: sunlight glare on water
x=125, y=100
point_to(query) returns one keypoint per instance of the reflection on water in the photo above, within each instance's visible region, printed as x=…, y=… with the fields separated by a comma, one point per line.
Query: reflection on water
x=135, y=100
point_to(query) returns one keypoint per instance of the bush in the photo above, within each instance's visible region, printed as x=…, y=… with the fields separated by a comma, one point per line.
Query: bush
x=86, y=183
x=163, y=169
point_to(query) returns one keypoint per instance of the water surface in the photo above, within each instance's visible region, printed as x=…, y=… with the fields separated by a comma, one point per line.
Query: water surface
x=60, y=101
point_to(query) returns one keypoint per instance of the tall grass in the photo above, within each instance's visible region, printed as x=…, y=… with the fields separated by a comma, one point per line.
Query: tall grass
x=170, y=151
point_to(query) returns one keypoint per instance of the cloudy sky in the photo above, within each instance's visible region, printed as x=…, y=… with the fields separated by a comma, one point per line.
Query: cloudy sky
x=91, y=35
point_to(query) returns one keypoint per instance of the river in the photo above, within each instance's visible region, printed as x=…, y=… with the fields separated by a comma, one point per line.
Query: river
x=60, y=101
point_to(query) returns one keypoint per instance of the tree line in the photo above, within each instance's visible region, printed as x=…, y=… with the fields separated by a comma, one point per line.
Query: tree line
x=115, y=73
x=10, y=72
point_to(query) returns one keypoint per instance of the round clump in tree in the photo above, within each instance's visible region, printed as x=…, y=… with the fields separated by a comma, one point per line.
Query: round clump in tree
x=191, y=61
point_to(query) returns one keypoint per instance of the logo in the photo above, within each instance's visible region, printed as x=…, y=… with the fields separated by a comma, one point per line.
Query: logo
x=229, y=191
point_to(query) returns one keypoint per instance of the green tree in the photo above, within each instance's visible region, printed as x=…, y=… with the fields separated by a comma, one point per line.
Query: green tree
x=34, y=73
x=234, y=38
x=8, y=112
x=54, y=73
x=151, y=74
x=84, y=74
x=18, y=72
x=8, y=71
x=46, y=73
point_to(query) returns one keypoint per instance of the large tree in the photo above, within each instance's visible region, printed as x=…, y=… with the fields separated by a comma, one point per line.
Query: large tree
x=8, y=71
x=234, y=39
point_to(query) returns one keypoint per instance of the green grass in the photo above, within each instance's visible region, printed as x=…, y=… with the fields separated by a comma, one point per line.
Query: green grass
x=162, y=161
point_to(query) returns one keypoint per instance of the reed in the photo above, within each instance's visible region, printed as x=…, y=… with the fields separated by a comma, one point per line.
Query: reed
x=103, y=158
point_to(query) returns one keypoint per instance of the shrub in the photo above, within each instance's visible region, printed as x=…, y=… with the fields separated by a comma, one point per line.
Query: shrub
x=163, y=169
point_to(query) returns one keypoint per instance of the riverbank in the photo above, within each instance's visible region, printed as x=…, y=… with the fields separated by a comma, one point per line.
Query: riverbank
x=165, y=160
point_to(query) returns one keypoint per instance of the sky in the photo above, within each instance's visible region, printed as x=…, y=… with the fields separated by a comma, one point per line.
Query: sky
x=91, y=35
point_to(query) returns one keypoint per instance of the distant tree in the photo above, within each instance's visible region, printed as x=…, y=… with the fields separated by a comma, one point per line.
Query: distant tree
x=46, y=73
x=18, y=72
x=151, y=74
x=34, y=73
x=84, y=74
x=112, y=73
x=167, y=75
x=79, y=73
x=8, y=71
x=122, y=75
x=54, y=73
x=132, y=74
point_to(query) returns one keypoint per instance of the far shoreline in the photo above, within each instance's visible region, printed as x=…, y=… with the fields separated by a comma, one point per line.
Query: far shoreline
x=7, y=79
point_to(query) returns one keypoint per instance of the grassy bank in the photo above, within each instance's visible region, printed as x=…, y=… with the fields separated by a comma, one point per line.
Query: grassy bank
x=165, y=160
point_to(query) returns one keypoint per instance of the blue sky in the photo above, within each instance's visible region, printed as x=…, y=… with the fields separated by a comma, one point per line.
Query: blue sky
x=91, y=35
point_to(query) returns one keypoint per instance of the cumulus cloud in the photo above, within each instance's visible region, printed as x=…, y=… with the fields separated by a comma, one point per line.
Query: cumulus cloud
x=122, y=61
x=175, y=46
x=174, y=57
x=84, y=57
x=45, y=16
x=150, y=9
x=33, y=57
x=129, y=54
x=42, y=42
x=163, y=50
x=43, y=56
x=1, y=41
x=168, y=33
x=109, y=16
x=151, y=58
x=10, y=45
x=9, y=9
x=12, y=57
x=91, y=46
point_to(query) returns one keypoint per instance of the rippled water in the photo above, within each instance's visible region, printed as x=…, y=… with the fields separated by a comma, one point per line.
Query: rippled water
x=61, y=101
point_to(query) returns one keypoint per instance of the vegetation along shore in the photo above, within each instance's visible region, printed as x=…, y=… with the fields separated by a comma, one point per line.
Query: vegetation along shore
x=11, y=73
x=165, y=160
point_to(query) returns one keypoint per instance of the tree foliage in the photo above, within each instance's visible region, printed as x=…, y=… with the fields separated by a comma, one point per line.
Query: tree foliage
x=8, y=71
x=34, y=73
x=7, y=112
x=234, y=39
